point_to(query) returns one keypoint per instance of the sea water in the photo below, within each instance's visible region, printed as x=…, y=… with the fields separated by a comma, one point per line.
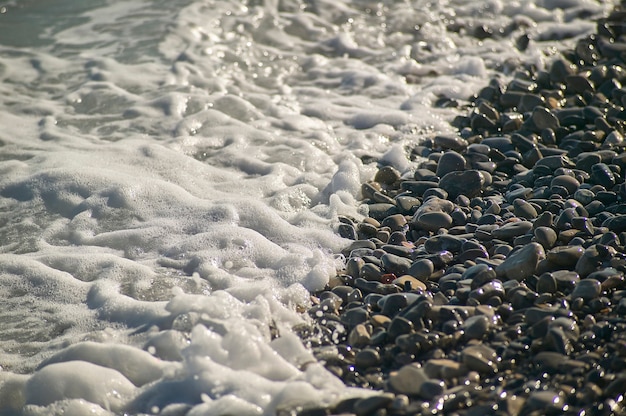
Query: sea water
x=172, y=172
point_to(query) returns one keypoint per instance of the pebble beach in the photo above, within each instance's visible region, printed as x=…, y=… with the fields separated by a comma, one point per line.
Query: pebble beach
x=312, y=207
x=490, y=280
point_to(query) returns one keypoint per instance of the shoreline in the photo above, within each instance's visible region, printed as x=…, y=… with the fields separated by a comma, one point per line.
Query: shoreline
x=492, y=280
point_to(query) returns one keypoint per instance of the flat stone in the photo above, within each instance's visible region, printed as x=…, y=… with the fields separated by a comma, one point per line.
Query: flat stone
x=509, y=231
x=450, y=142
x=414, y=282
x=566, y=256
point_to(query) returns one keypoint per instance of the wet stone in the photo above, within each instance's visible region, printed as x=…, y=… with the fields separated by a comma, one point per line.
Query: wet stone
x=587, y=289
x=408, y=379
x=522, y=263
x=511, y=230
x=544, y=119
x=369, y=405
x=455, y=143
x=422, y=269
x=545, y=236
x=395, y=264
x=546, y=283
x=450, y=162
x=566, y=256
x=523, y=209
x=366, y=358
x=433, y=221
x=480, y=358
x=476, y=327
x=468, y=183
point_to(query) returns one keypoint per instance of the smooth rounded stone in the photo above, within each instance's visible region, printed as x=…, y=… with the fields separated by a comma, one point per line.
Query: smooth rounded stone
x=578, y=84
x=353, y=317
x=399, y=326
x=565, y=279
x=592, y=259
x=367, y=357
x=407, y=204
x=616, y=224
x=434, y=204
x=555, y=161
x=371, y=272
x=560, y=70
x=544, y=119
x=545, y=401
x=584, y=196
x=409, y=282
x=347, y=231
x=479, y=274
x=552, y=361
x=422, y=269
x=480, y=358
x=523, y=209
x=535, y=314
x=455, y=143
x=359, y=336
x=395, y=264
x=601, y=174
x=392, y=304
x=488, y=291
x=442, y=368
x=379, y=211
x=438, y=192
x=509, y=231
x=450, y=162
x=396, y=222
x=476, y=327
x=556, y=340
x=587, y=289
x=565, y=256
x=442, y=242
x=408, y=379
x=380, y=197
x=545, y=236
x=387, y=175
x=418, y=188
x=469, y=183
x=522, y=263
x=519, y=193
x=433, y=221
x=370, y=405
x=568, y=182
x=546, y=284
x=360, y=244
x=529, y=101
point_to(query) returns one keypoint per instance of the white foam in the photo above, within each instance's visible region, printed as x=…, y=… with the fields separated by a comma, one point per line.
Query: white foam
x=171, y=178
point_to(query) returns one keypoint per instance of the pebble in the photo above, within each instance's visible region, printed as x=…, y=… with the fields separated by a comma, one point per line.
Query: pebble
x=408, y=380
x=522, y=263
